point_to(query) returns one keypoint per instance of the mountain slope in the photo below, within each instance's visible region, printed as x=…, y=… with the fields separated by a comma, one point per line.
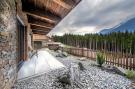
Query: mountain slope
x=127, y=26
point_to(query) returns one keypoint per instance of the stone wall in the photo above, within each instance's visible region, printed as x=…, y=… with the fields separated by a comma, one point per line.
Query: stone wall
x=8, y=44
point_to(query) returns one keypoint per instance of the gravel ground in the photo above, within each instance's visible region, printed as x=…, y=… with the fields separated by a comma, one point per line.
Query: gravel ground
x=94, y=77
x=44, y=81
x=91, y=78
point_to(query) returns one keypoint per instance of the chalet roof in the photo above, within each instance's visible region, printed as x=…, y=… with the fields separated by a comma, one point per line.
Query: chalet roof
x=44, y=15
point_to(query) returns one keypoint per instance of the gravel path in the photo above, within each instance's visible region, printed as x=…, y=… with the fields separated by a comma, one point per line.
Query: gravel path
x=94, y=77
x=91, y=78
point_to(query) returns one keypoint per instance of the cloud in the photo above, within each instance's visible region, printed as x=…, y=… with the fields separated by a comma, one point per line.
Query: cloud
x=91, y=16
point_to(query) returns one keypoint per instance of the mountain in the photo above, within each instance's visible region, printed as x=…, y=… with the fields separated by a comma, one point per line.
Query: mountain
x=126, y=26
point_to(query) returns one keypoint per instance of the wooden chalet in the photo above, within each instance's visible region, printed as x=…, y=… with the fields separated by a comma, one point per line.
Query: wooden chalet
x=21, y=23
x=39, y=17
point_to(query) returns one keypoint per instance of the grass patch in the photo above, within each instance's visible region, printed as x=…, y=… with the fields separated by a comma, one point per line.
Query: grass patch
x=130, y=74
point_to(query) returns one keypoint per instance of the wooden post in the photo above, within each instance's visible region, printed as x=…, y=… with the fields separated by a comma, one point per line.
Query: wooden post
x=133, y=61
x=126, y=60
x=130, y=59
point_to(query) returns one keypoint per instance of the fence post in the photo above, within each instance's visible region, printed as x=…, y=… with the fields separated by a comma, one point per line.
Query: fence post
x=126, y=60
x=82, y=52
x=121, y=57
x=130, y=61
x=118, y=59
x=87, y=52
x=133, y=61
x=106, y=57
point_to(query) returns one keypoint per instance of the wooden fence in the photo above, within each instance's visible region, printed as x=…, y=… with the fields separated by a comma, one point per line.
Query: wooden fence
x=117, y=59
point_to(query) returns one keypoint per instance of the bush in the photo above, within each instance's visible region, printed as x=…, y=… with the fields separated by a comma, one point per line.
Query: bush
x=100, y=59
x=130, y=74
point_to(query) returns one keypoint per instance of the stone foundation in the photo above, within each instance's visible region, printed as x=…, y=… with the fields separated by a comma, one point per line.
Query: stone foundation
x=8, y=44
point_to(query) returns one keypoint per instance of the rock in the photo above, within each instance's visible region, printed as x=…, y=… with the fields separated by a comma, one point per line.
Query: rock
x=82, y=59
x=62, y=54
x=115, y=69
x=59, y=51
x=65, y=79
x=65, y=54
x=120, y=71
x=81, y=66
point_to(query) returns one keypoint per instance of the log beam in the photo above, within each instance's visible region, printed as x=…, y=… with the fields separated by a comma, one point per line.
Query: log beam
x=33, y=20
x=39, y=28
x=40, y=33
x=30, y=8
x=40, y=17
x=72, y=2
x=62, y=4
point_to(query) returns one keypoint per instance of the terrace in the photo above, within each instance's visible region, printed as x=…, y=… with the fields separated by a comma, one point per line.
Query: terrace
x=29, y=59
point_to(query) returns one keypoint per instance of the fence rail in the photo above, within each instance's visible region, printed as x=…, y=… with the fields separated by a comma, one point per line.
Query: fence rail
x=117, y=59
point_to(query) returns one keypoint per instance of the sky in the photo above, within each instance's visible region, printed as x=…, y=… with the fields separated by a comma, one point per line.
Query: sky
x=92, y=16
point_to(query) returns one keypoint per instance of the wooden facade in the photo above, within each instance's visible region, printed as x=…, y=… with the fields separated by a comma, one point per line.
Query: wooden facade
x=39, y=17
x=19, y=21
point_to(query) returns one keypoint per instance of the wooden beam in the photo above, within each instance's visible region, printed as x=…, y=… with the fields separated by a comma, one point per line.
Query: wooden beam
x=33, y=20
x=72, y=2
x=46, y=19
x=42, y=12
x=39, y=28
x=40, y=33
x=62, y=4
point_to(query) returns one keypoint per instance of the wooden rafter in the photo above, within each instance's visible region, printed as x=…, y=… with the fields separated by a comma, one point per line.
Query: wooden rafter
x=42, y=12
x=44, y=15
x=40, y=17
x=33, y=20
x=72, y=2
x=39, y=28
x=40, y=33
x=62, y=4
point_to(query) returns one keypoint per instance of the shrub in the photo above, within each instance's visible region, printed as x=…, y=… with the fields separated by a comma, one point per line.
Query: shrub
x=100, y=59
x=130, y=74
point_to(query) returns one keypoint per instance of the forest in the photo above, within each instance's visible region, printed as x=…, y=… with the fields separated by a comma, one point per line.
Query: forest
x=123, y=42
